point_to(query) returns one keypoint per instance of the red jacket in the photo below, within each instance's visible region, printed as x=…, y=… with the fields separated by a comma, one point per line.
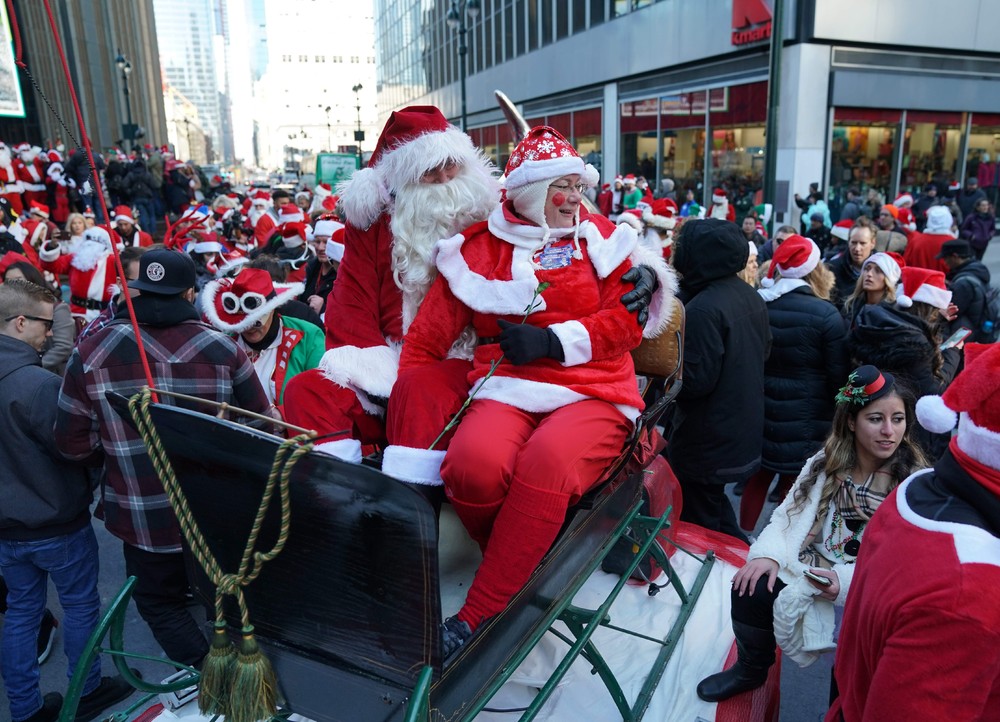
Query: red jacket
x=922, y=248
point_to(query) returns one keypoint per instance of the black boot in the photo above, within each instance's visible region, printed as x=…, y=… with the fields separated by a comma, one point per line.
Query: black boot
x=755, y=655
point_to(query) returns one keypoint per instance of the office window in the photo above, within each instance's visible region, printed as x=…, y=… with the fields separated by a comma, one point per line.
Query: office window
x=579, y=8
x=509, y=30
x=562, y=19
x=547, y=22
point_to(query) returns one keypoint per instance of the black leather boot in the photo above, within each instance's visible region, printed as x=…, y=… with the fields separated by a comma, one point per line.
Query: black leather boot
x=755, y=655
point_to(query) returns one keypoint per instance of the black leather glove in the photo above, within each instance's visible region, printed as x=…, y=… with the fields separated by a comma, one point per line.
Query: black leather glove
x=522, y=343
x=639, y=298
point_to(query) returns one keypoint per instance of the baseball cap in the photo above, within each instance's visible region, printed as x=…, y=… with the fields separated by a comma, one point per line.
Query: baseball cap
x=957, y=247
x=164, y=272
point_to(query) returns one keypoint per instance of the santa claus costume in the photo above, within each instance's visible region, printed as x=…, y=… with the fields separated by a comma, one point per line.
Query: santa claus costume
x=660, y=218
x=290, y=346
x=128, y=230
x=30, y=169
x=38, y=229
x=393, y=222
x=323, y=191
x=721, y=207
x=58, y=187
x=554, y=387
x=261, y=219
x=921, y=627
x=11, y=186
x=291, y=248
x=91, y=271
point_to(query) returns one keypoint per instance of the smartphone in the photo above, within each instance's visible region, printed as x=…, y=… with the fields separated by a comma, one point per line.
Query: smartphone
x=956, y=338
x=822, y=581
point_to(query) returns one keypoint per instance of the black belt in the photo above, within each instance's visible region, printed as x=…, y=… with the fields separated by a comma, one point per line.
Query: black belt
x=88, y=303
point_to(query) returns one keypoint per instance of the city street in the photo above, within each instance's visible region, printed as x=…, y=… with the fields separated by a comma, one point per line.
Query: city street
x=799, y=701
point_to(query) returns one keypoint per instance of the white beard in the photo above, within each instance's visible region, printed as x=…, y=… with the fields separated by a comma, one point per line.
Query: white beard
x=5, y=159
x=255, y=214
x=720, y=211
x=424, y=213
x=88, y=254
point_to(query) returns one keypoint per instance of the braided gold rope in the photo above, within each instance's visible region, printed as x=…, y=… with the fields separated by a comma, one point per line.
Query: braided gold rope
x=285, y=458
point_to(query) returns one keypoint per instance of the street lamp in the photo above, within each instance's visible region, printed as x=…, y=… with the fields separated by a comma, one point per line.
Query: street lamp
x=329, y=142
x=126, y=69
x=456, y=21
x=359, y=135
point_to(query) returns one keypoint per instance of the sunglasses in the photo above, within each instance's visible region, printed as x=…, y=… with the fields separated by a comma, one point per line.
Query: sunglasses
x=46, y=321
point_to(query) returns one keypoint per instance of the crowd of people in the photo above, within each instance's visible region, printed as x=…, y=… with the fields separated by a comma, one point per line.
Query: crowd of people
x=373, y=313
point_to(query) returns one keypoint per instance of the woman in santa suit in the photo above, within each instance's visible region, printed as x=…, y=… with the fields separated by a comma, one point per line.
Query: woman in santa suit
x=539, y=282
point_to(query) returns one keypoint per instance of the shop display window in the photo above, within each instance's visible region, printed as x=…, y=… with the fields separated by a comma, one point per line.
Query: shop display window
x=738, y=115
x=983, y=153
x=638, y=139
x=682, y=138
x=931, y=146
x=587, y=137
x=862, y=152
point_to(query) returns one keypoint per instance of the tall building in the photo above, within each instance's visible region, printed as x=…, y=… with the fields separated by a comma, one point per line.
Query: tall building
x=92, y=34
x=190, y=45
x=678, y=89
x=305, y=103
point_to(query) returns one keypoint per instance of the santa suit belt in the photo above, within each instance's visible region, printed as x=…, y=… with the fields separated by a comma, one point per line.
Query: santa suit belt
x=11, y=188
x=88, y=303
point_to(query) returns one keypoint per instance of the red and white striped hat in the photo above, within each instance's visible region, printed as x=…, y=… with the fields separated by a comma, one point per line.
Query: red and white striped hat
x=796, y=257
x=924, y=285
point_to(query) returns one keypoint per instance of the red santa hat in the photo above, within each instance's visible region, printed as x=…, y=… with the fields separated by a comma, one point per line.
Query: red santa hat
x=973, y=400
x=88, y=212
x=903, y=199
x=123, y=213
x=323, y=190
x=39, y=209
x=924, y=285
x=293, y=234
x=326, y=225
x=628, y=180
x=234, y=305
x=335, y=246
x=887, y=263
x=662, y=213
x=261, y=198
x=330, y=203
x=842, y=229
x=544, y=155
x=796, y=257
x=290, y=213
x=719, y=196
x=55, y=156
x=632, y=217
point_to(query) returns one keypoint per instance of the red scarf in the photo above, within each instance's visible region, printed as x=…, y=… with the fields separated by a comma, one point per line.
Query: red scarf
x=986, y=476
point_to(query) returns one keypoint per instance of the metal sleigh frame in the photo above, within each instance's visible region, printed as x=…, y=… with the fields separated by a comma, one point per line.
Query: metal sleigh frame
x=462, y=688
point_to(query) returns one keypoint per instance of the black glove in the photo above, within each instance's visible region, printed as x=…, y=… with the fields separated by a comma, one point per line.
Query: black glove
x=522, y=344
x=639, y=298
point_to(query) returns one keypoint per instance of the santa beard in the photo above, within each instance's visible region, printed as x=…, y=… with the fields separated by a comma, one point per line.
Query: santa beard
x=424, y=213
x=88, y=254
x=5, y=159
x=255, y=215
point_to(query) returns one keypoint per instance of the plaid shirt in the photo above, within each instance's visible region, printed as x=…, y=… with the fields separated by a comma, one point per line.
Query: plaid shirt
x=189, y=358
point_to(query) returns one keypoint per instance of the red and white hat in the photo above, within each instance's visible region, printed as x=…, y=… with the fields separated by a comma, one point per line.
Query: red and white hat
x=719, y=196
x=290, y=213
x=903, y=199
x=973, y=400
x=661, y=214
x=842, y=229
x=123, y=213
x=261, y=198
x=632, y=217
x=88, y=212
x=327, y=225
x=234, y=305
x=924, y=285
x=890, y=267
x=323, y=190
x=629, y=180
x=39, y=209
x=544, y=155
x=293, y=234
x=796, y=257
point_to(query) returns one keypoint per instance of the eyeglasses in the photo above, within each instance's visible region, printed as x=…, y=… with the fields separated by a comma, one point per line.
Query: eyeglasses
x=46, y=321
x=579, y=187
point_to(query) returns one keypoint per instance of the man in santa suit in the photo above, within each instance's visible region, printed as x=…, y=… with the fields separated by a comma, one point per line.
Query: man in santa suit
x=323, y=191
x=291, y=248
x=128, y=231
x=10, y=185
x=38, y=229
x=721, y=207
x=91, y=270
x=30, y=168
x=261, y=219
x=921, y=628
x=58, y=187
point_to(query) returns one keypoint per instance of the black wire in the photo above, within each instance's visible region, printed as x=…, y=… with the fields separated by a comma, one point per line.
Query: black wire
x=504, y=711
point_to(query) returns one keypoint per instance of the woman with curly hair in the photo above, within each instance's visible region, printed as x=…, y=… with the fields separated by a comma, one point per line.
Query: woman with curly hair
x=802, y=563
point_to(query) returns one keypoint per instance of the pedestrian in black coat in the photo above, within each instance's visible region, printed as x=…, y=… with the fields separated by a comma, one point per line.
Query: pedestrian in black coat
x=718, y=422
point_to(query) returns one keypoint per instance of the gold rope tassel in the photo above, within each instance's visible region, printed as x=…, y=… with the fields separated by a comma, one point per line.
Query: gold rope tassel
x=217, y=673
x=253, y=695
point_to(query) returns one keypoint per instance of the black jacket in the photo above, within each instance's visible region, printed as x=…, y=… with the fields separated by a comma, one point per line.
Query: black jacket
x=41, y=494
x=904, y=345
x=808, y=363
x=138, y=184
x=317, y=285
x=968, y=284
x=718, y=422
x=845, y=278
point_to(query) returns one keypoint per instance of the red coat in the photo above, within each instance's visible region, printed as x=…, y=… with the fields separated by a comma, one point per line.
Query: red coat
x=11, y=187
x=264, y=229
x=145, y=240
x=95, y=285
x=32, y=177
x=489, y=272
x=923, y=247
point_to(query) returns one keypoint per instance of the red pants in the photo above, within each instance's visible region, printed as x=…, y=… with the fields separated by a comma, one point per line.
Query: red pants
x=755, y=492
x=422, y=401
x=511, y=475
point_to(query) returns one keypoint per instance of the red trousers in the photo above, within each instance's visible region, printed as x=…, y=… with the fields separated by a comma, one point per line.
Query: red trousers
x=755, y=492
x=511, y=475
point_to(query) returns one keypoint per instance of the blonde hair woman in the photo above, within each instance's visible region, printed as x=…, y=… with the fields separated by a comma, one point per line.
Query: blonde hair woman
x=880, y=273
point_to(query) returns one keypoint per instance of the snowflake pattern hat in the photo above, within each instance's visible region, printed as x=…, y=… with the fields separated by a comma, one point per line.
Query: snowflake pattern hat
x=545, y=155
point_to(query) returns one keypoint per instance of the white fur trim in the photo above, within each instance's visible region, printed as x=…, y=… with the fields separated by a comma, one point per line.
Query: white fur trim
x=335, y=251
x=414, y=466
x=326, y=227
x=973, y=545
x=532, y=171
x=630, y=219
x=806, y=268
x=903, y=200
x=282, y=295
x=575, y=341
x=372, y=370
x=606, y=254
x=536, y=397
x=979, y=442
x=934, y=415
x=719, y=199
x=348, y=450
x=486, y=295
x=936, y=297
x=98, y=288
x=122, y=217
x=662, y=307
x=777, y=289
x=840, y=232
x=364, y=198
x=48, y=256
x=904, y=301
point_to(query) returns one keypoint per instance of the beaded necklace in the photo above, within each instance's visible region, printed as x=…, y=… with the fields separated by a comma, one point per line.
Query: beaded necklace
x=850, y=546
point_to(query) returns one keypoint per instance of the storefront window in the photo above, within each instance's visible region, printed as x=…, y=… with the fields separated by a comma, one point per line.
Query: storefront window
x=737, y=116
x=984, y=152
x=488, y=142
x=638, y=139
x=862, y=152
x=682, y=124
x=931, y=147
x=587, y=137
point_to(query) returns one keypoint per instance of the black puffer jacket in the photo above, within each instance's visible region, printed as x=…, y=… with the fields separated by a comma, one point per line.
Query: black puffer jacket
x=904, y=345
x=845, y=278
x=718, y=423
x=808, y=363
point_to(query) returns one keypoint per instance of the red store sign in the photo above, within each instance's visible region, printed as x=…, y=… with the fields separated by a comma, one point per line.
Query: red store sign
x=751, y=21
